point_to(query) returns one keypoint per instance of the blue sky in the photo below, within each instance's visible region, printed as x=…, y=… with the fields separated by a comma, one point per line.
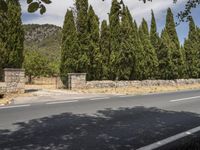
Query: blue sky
x=56, y=12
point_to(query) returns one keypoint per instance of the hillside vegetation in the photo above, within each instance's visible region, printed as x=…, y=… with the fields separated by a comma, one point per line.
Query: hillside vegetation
x=45, y=39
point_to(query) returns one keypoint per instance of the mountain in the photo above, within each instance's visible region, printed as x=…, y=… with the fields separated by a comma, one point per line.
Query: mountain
x=43, y=38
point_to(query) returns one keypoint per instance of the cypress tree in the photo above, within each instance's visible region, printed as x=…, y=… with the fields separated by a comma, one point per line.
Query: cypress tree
x=154, y=36
x=70, y=49
x=126, y=51
x=150, y=57
x=170, y=28
x=14, y=36
x=114, y=18
x=177, y=54
x=191, y=47
x=138, y=67
x=3, y=29
x=82, y=30
x=166, y=65
x=105, y=49
x=94, y=71
x=198, y=35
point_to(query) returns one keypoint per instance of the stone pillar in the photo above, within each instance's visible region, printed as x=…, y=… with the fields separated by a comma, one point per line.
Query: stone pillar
x=76, y=80
x=14, y=80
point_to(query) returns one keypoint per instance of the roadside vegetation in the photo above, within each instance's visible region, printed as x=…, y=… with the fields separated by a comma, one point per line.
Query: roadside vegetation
x=114, y=49
x=122, y=50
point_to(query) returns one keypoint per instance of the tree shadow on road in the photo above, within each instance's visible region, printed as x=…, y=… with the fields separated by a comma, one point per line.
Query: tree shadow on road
x=121, y=129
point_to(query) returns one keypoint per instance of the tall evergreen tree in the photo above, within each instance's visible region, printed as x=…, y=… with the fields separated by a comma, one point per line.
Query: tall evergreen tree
x=138, y=67
x=70, y=52
x=150, y=57
x=3, y=29
x=94, y=72
x=15, y=36
x=83, y=37
x=170, y=28
x=191, y=47
x=154, y=36
x=177, y=54
x=166, y=65
x=114, y=18
x=198, y=35
x=126, y=51
x=105, y=49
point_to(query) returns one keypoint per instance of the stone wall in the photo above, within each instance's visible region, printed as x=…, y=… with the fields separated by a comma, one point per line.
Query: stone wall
x=2, y=88
x=76, y=80
x=111, y=84
x=14, y=81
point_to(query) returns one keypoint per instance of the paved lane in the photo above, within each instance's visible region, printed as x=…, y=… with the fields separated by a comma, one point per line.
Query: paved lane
x=109, y=123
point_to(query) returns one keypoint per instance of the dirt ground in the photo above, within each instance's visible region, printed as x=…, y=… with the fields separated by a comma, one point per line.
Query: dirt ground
x=140, y=90
x=51, y=90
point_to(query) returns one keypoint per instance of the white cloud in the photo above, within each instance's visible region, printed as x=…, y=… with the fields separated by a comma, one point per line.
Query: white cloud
x=56, y=11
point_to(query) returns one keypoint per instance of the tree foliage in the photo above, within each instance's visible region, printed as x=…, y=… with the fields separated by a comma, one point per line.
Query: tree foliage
x=94, y=55
x=154, y=36
x=191, y=47
x=105, y=49
x=12, y=35
x=37, y=65
x=83, y=36
x=150, y=58
x=70, y=50
x=114, y=18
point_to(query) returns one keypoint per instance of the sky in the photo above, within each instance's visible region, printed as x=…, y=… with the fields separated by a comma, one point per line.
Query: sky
x=57, y=9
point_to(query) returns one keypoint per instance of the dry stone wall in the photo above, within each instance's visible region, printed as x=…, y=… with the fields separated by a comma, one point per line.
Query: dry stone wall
x=14, y=81
x=78, y=81
x=111, y=84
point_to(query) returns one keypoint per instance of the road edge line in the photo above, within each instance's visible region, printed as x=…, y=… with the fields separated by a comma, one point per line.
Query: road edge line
x=170, y=139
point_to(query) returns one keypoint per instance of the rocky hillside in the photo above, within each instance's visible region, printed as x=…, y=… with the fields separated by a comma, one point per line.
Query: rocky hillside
x=44, y=38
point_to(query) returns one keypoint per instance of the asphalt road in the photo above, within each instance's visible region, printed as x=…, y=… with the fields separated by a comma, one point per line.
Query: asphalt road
x=107, y=123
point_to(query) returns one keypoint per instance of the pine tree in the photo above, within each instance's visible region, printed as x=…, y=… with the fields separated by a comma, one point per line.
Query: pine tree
x=94, y=72
x=150, y=57
x=105, y=49
x=177, y=54
x=83, y=37
x=14, y=36
x=154, y=36
x=70, y=52
x=114, y=18
x=191, y=47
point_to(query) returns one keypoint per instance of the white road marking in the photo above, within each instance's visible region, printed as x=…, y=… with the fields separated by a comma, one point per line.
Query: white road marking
x=126, y=96
x=61, y=102
x=17, y=106
x=184, y=99
x=170, y=139
x=99, y=98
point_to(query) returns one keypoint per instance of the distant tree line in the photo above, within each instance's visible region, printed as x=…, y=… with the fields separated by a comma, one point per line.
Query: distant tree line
x=122, y=50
